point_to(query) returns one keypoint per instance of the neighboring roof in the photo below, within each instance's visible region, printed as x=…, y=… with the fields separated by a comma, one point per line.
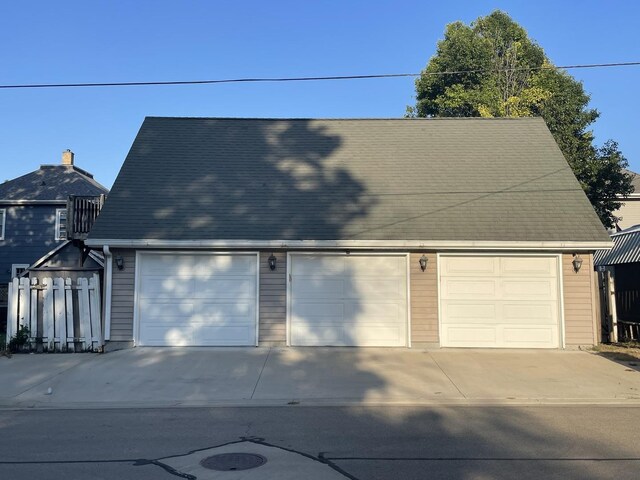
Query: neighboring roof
x=626, y=248
x=59, y=257
x=462, y=179
x=50, y=182
x=635, y=181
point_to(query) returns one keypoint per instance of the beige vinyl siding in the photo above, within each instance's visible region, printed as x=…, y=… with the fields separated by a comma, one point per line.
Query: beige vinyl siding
x=579, y=312
x=630, y=213
x=273, y=299
x=424, y=300
x=122, y=294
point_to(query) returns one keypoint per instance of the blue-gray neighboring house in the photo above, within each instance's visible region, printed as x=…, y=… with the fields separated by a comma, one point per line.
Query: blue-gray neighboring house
x=33, y=215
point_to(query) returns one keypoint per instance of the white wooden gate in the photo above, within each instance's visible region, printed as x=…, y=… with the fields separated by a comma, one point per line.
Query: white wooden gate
x=64, y=327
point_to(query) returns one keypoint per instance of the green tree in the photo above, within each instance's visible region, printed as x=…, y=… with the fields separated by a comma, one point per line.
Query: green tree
x=495, y=70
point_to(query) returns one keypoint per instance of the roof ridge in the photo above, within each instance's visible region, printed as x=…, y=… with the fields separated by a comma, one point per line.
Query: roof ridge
x=343, y=119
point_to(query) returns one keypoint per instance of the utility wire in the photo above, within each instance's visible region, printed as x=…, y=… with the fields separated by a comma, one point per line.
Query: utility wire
x=307, y=79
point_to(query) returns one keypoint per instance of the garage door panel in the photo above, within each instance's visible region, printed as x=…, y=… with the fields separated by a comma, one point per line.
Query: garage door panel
x=187, y=310
x=348, y=300
x=461, y=288
x=374, y=287
x=530, y=314
x=155, y=311
x=361, y=313
x=528, y=266
x=526, y=289
x=312, y=265
x=162, y=335
x=521, y=310
x=470, y=311
x=166, y=265
x=318, y=287
x=227, y=265
x=528, y=336
x=159, y=287
x=215, y=335
x=319, y=312
x=461, y=265
x=226, y=288
x=374, y=334
x=318, y=334
x=371, y=266
x=196, y=299
x=467, y=335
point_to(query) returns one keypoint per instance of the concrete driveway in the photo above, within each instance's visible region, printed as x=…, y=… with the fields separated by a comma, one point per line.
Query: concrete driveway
x=154, y=377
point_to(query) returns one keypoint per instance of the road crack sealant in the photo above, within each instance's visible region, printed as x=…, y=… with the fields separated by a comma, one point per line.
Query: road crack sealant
x=160, y=462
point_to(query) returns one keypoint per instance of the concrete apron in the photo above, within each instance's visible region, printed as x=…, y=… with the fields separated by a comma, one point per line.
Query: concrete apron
x=190, y=377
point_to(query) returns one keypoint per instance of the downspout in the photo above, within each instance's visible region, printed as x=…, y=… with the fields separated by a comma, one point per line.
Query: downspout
x=108, y=274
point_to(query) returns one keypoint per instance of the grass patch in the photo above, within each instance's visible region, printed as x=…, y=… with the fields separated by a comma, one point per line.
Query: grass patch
x=620, y=352
x=4, y=351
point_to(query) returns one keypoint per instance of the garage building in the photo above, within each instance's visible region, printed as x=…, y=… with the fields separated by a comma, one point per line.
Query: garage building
x=369, y=232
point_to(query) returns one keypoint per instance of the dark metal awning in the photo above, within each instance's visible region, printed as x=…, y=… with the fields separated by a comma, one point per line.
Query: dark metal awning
x=626, y=248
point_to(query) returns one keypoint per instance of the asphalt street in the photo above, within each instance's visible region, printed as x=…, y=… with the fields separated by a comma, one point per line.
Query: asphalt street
x=445, y=442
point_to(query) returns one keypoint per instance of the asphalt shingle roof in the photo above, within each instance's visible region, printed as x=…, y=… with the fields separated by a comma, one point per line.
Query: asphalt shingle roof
x=51, y=182
x=635, y=181
x=367, y=179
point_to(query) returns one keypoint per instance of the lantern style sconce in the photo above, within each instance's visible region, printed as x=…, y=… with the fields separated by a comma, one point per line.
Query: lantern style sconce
x=272, y=262
x=120, y=262
x=577, y=262
x=423, y=262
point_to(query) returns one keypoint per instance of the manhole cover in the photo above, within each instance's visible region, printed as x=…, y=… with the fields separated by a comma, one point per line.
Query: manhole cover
x=228, y=462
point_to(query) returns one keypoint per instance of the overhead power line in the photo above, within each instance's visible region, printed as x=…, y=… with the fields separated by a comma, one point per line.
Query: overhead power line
x=308, y=79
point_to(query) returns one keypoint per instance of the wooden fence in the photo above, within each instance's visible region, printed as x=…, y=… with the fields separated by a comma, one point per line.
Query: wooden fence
x=620, y=310
x=61, y=316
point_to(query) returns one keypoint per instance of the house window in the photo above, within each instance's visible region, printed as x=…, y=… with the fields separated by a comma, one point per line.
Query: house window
x=61, y=224
x=18, y=268
x=3, y=221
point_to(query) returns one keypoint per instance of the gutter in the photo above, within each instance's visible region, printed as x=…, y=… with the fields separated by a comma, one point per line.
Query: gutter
x=32, y=202
x=106, y=304
x=441, y=245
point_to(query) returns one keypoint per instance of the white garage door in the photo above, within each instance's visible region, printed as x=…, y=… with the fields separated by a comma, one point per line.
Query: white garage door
x=351, y=300
x=508, y=302
x=196, y=299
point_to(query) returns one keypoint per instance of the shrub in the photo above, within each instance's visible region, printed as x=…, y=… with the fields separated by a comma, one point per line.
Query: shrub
x=20, y=339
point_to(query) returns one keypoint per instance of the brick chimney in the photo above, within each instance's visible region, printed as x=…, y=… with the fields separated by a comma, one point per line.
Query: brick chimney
x=67, y=157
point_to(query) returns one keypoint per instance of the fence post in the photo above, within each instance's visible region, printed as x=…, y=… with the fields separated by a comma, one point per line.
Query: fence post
x=12, y=310
x=69, y=326
x=84, y=312
x=33, y=312
x=24, y=302
x=48, y=326
x=611, y=299
x=94, y=303
x=60, y=331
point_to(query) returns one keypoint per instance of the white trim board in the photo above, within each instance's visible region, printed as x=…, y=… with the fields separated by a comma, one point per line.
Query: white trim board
x=441, y=245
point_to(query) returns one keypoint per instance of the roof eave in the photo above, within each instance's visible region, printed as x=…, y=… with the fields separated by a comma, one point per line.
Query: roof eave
x=33, y=202
x=440, y=245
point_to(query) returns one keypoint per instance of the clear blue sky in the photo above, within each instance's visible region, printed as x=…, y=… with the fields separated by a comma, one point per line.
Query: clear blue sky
x=102, y=41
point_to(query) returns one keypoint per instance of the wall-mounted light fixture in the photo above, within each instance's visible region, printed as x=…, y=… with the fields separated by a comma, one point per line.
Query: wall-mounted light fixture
x=120, y=262
x=423, y=262
x=272, y=262
x=577, y=262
